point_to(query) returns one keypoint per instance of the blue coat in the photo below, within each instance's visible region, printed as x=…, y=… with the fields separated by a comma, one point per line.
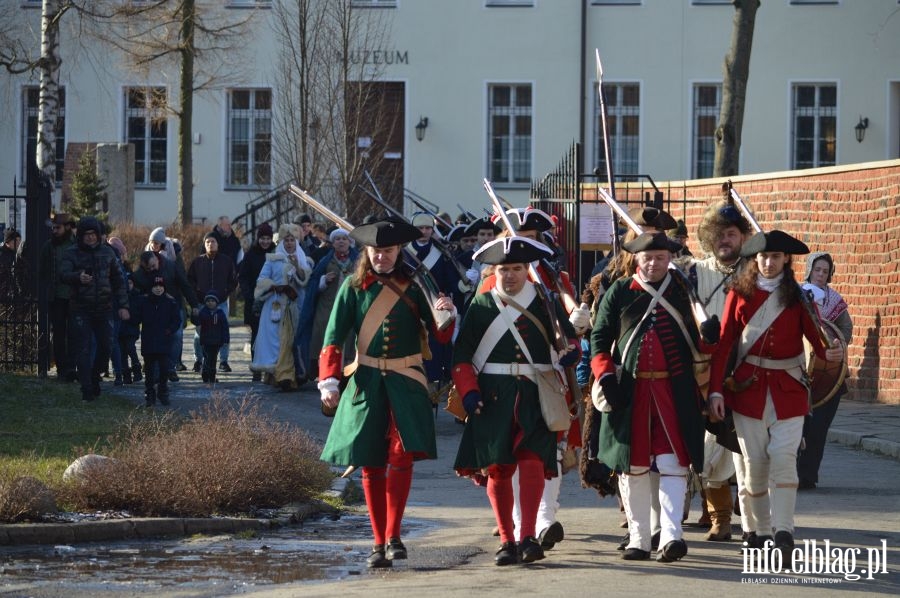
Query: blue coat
x=159, y=318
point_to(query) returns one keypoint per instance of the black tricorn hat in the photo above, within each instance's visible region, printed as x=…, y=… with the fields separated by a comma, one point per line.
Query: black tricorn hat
x=385, y=233
x=527, y=219
x=512, y=250
x=650, y=242
x=650, y=216
x=479, y=224
x=775, y=240
x=456, y=233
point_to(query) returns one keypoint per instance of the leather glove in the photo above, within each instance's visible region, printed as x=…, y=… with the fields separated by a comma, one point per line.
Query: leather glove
x=612, y=392
x=472, y=402
x=709, y=330
x=473, y=275
x=581, y=318
x=570, y=357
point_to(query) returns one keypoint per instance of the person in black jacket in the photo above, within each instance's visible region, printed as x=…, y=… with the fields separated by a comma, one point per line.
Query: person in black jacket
x=159, y=318
x=212, y=326
x=216, y=272
x=92, y=269
x=129, y=332
x=253, y=261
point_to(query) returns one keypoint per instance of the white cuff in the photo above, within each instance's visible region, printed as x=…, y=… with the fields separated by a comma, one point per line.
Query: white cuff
x=716, y=395
x=329, y=385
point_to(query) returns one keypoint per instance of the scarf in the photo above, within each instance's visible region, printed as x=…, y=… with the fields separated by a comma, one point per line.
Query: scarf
x=769, y=284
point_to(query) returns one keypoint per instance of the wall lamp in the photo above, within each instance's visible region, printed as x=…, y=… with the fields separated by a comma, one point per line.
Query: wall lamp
x=860, y=129
x=420, y=128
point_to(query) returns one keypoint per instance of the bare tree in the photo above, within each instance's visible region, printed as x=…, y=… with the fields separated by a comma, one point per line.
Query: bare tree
x=332, y=119
x=199, y=37
x=734, y=89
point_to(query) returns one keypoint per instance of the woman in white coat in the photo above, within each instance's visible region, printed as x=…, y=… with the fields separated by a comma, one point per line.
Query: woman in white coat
x=280, y=289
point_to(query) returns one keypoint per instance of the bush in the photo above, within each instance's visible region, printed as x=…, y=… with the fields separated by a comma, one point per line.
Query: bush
x=24, y=498
x=221, y=460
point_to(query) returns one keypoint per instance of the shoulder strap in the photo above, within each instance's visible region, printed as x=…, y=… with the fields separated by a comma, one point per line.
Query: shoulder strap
x=759, y=322
x=515, y=305
x=376, y=314
x=676, y=315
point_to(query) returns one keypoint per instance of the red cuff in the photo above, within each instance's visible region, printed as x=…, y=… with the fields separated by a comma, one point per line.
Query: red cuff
x=444, y=336
x=602, y=363
x=465, y=379
x=331, y=362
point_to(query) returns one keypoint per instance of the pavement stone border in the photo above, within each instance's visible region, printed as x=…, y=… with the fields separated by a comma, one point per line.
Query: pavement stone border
x=872, y=444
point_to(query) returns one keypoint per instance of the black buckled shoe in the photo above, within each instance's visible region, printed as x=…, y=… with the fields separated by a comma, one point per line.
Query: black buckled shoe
x=635, y=554
x=507, y=555
x=784, y=543
x=624, y=542
x=395, y=550
x=671, y=552
x=530, y=550
x=551, y=535
x=377, y=559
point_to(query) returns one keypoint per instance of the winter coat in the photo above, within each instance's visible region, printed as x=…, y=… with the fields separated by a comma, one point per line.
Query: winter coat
x=107, y=290
x=159, y=318
x=131, y=328
x=174, y=277
x=49, y=265
x=248, y=272
x=217, y=274
x=212, y=325
x=230, y=245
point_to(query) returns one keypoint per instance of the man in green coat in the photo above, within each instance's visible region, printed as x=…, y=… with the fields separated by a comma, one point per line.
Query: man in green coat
x=384, y=419
x=653, y=408
x=502, y=349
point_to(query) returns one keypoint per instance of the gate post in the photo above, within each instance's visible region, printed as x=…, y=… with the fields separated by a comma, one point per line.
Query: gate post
x=37, y=213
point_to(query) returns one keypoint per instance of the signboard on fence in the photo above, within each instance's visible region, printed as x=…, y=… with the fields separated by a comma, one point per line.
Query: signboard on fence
x=597, y=227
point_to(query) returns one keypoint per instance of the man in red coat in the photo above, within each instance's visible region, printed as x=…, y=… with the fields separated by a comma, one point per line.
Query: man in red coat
x=767, y=389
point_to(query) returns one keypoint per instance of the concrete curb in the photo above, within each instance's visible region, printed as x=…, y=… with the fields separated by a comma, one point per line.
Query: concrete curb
x=865, y=442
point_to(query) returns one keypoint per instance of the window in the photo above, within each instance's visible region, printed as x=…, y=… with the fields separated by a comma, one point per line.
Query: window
x=490, y=3
x=707, y=103
x=711, y=1
x=623, y=108
x=249, y=138
x=615, y=2
x=30, y=97
x=146, y=126
x=509, y=133
x=374, y=3
x=814, y=1
x=814, y=115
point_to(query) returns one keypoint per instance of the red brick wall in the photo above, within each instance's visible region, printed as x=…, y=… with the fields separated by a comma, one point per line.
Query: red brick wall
x=853, y=213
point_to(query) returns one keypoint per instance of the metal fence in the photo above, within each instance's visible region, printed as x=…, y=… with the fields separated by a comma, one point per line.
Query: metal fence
x=19, y=335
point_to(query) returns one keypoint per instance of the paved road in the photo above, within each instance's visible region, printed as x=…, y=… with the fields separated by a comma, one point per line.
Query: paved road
x=857, y=506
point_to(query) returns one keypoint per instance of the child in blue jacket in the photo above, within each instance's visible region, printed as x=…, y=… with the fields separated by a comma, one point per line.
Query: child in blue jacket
x=212, y=326
x=160, y=318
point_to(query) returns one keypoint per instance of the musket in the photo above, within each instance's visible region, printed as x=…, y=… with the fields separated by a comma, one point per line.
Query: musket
x=425, y=209
x=736, y=199
x=560, y=341
x=462, y=210
x=699, y=310
x=438, y=242
x=426, y=280
x=607, y=152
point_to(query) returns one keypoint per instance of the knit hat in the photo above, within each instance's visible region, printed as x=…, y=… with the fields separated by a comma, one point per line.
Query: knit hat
x=158, y=235
x=338, y=232
x=264, y=230
x=11, y=234
x=159, y=281
x=211, y=295
x=118, y=244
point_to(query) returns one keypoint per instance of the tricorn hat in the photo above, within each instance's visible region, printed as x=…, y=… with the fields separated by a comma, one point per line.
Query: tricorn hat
x=512, y=250
x=456, y=233
x=385, y=233
x=654, y=217
x=528, y=219
x=775, y=240
x=650, y=242
x=479, y=224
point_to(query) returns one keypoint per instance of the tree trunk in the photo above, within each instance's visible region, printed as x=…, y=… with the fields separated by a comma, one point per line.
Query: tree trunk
x=48, y=102
x=185, y=117
x=734, y=89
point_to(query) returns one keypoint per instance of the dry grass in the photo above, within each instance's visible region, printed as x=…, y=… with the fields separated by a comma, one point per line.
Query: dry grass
x=223, y=459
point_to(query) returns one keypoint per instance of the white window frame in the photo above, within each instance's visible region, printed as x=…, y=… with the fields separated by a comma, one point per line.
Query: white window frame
x=256, y=117
x=616, y=2
x=697, y=112
x=622, y=163
x=506, y=3
x=150, y=115
x=513, y=155
x=248, y=3
x=32, y=111
x=818, y=112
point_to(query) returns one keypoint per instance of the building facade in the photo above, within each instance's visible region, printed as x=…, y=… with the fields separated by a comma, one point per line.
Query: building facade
x=499, y=89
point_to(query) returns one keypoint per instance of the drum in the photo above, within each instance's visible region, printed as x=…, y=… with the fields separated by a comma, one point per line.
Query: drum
x=825, y=377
